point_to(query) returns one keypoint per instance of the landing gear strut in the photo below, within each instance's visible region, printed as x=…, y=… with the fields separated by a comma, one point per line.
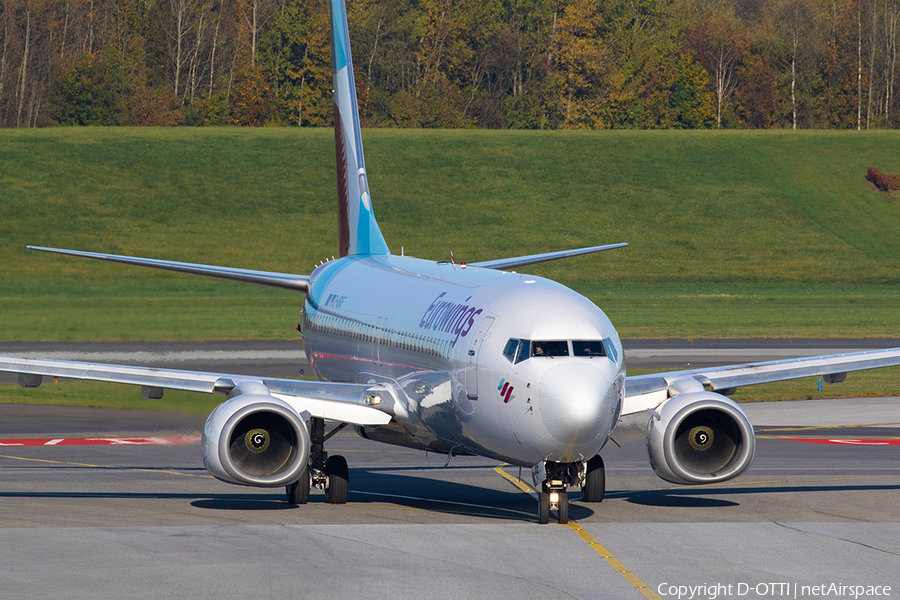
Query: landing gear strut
x=329, y=473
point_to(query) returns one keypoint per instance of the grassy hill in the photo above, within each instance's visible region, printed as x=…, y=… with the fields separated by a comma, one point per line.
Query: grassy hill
x=732, y=233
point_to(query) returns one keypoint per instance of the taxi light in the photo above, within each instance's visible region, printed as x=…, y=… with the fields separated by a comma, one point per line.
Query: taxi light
x=373, y=400
x=554, y=497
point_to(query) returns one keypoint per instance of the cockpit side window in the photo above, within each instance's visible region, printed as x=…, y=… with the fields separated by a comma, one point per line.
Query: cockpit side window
x=588, y=348
x=510, y=350
x=611, y=350
x=553, y=348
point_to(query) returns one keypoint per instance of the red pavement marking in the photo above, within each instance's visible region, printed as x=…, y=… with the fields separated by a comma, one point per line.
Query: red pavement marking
x=177, y=440
x=846, y=442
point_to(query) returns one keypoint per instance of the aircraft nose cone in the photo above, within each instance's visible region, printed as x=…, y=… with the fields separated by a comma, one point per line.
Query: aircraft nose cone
x=571, y=401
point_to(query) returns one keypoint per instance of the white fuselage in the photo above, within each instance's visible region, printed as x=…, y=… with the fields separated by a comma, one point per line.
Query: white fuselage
x=499, y=364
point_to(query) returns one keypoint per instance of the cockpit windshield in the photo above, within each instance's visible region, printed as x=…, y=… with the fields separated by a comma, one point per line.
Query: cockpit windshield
x=588, y=348
x=554, y=348
x=517, y=350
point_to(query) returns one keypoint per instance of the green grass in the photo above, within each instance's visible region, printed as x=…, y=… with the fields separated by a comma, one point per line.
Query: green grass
x=733, y=233
x=95, y=394
x=859, y=384
x=750, y=310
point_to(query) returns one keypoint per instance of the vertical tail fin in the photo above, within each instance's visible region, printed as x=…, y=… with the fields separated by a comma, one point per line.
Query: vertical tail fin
x=359, y=233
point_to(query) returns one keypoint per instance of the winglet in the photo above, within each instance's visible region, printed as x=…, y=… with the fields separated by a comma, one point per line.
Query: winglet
x=359, y=233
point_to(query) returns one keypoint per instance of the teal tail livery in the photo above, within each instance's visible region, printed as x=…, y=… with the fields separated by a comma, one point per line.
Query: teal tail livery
x=359, y=233
x=472, y=360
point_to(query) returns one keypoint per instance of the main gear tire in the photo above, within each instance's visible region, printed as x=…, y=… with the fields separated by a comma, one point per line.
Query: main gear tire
x=594, y=487
x=298, y=492
x=338, y=480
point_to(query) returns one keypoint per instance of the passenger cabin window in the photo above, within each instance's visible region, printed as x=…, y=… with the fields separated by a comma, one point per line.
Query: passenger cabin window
x=588, y=348
x=554, y=348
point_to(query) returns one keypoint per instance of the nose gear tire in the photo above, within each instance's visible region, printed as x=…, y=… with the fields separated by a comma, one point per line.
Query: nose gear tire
x=543, y=505
x=562, y=508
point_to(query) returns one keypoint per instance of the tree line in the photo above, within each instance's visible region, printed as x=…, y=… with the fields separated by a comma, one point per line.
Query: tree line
x=530, y=64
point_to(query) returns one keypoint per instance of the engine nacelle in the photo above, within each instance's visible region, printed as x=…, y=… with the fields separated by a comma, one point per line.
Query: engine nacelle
x=255, y=440
x=700, y=437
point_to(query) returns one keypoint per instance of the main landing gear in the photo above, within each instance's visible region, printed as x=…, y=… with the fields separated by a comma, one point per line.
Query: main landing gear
x=329, y=473
x=553, y=494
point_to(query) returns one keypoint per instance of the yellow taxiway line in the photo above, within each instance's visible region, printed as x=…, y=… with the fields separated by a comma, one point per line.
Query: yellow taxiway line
x=590, y=540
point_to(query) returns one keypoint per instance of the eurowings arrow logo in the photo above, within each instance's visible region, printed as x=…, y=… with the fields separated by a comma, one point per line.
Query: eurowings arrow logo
x=506, y=390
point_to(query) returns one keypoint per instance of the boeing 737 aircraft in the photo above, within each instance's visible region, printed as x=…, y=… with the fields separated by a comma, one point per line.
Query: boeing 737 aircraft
x=426, y=354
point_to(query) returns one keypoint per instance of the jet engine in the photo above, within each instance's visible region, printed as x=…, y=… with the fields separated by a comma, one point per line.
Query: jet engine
x=257, y=440
x=700, y=437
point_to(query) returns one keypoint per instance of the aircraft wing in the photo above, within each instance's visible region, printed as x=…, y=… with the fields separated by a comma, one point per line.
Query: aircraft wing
x=345, y=402
x=533, y=259
x=644, y=392
x=299, y=283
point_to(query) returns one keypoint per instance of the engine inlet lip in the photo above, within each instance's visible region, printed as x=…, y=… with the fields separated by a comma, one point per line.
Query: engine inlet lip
x=739, y=462
x=278, y=479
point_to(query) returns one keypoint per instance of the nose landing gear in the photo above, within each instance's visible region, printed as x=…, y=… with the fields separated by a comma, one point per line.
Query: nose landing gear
x=553, y=498
x=553, y=494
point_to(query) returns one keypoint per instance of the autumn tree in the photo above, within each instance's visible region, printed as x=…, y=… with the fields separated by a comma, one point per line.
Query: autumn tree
x=582, y=59
x=719, y=43
x=453, y=63
x=387, y=38
x=254, y=99
x=90, y=93
x=836, y=89
x=756, y=96
x=794, y=25
x=296, y=51
x=690, y=102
